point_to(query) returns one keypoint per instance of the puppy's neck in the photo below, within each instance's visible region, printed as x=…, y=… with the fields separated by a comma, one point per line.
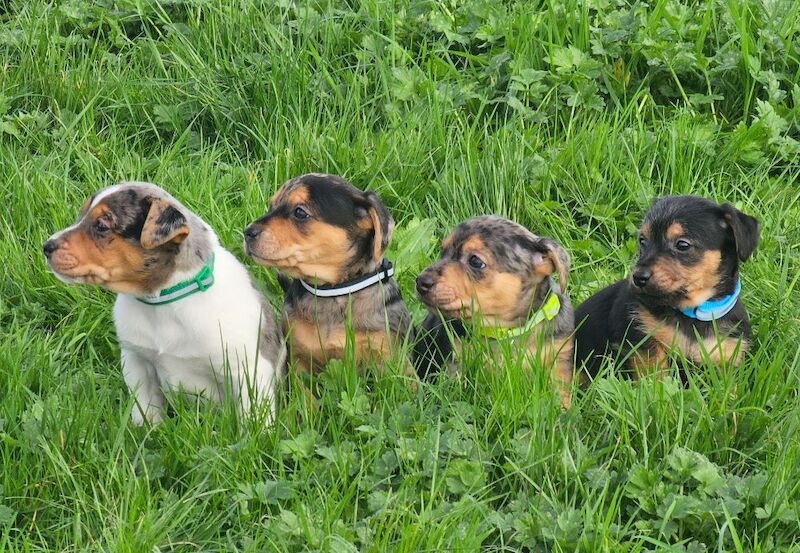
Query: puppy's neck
x=193, y=253
x=729, y=276
x=533, y=300
x=358, y=269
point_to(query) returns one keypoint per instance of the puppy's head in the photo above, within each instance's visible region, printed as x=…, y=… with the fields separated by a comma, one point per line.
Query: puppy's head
x=690, y=249
x=321, y=228
x=126, y=239
x=490, y=266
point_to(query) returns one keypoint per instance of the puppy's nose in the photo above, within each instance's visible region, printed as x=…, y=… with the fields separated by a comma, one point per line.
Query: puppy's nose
x=640, y=277
x=424, y=283
x=251, y=233
x=49, y=247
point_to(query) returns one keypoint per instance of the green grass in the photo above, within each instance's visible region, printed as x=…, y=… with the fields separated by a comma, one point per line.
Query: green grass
x=566, y=116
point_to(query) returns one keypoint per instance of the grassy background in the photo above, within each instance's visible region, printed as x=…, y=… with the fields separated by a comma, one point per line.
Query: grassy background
x=566, y=116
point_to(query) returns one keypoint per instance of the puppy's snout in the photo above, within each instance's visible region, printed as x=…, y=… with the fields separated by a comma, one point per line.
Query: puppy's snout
x=49, y=247
x=425, y=282
x=641, y=277
x=251, y=233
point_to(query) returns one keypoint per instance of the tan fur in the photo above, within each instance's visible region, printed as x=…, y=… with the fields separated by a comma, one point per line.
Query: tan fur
x=377, y=251
x=316, y=345
x=115, y=264
x=674, y=231
x=669, y=338
x=551, y=263
x=557, y=353
x=702, y=279
x=322, y=255
x=645, y=231
x=150, y=237
x=698, y=281
x=496, y=296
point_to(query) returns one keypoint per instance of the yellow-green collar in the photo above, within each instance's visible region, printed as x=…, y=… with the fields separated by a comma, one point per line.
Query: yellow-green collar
x=548, y=311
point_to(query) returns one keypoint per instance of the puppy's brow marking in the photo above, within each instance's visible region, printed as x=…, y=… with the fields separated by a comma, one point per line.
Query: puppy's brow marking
x=675, y=231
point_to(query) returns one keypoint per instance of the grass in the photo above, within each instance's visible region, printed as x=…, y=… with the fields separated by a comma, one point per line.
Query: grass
x=566, y=116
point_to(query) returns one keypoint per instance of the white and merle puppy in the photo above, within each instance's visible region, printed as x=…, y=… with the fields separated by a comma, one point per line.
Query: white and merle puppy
x=186, y=311
x=494, y=279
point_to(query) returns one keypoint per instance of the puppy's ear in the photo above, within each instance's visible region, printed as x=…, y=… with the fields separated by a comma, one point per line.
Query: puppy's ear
x=745, y=230
x=382, y=224
x=164, y=224
x=550, y=258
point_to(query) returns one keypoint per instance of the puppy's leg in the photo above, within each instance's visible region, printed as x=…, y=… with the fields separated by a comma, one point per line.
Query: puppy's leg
x=562, y=372
x=255, y=386
x=141, y=378
x=650, y=359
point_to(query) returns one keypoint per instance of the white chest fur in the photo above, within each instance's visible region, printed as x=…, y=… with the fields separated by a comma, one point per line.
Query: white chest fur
x=196, y=343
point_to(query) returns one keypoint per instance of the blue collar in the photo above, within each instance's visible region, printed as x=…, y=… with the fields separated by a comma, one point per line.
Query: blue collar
x=710, y=310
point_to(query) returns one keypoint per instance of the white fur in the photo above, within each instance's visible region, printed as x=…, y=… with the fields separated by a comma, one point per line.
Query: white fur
x=196, y=343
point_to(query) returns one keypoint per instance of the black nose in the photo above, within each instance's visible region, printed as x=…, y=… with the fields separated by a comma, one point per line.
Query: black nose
x=251, y=233
x=49, y=247
x=424, y=283
x=640, y=277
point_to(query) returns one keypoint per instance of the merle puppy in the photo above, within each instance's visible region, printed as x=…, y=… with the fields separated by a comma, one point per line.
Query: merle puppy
x=494, y=280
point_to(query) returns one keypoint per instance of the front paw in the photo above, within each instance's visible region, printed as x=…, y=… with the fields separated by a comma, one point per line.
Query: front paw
x=153, y=415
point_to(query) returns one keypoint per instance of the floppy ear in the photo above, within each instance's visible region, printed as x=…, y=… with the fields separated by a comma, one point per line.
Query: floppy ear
x=551, y=258
x=164, y=224
x=382, y=224
x=745, y=230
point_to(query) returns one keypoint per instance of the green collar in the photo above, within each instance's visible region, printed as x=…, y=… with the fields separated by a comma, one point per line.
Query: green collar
x=548, y=311
x=201, y=282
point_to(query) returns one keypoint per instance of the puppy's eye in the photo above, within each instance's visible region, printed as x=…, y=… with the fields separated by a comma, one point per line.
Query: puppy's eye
x=642, y=241
x=100, y=227
x=682, y=245
x=475, y=262
x=300, y=213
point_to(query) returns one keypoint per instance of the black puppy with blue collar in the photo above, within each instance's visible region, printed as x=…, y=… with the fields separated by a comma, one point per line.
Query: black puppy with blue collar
x=681, y=296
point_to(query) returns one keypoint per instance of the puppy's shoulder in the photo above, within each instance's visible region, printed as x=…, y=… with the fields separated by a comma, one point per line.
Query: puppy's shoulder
x=433, y=344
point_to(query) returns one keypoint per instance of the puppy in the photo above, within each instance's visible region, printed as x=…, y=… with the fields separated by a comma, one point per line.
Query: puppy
x=493, y=277
x=330, y=238
x=185, y=306
x=682, y=294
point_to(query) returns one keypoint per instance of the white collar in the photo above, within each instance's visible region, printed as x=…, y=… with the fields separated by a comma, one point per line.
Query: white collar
x=385, y=271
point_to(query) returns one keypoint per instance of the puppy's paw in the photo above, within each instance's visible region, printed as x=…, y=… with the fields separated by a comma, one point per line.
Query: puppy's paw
x=153, y=415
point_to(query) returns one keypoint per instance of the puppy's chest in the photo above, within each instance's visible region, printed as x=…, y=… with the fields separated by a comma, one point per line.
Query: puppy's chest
x=499, y=352
x=323, y=330
x=696, y=342
x=161, y=332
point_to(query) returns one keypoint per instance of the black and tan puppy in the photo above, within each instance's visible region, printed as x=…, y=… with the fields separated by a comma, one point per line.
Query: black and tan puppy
x=682, y=294
x=493, y=278
x=330, y=237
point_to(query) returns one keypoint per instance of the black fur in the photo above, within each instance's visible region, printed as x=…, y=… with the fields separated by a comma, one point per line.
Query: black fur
x=608, y=324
